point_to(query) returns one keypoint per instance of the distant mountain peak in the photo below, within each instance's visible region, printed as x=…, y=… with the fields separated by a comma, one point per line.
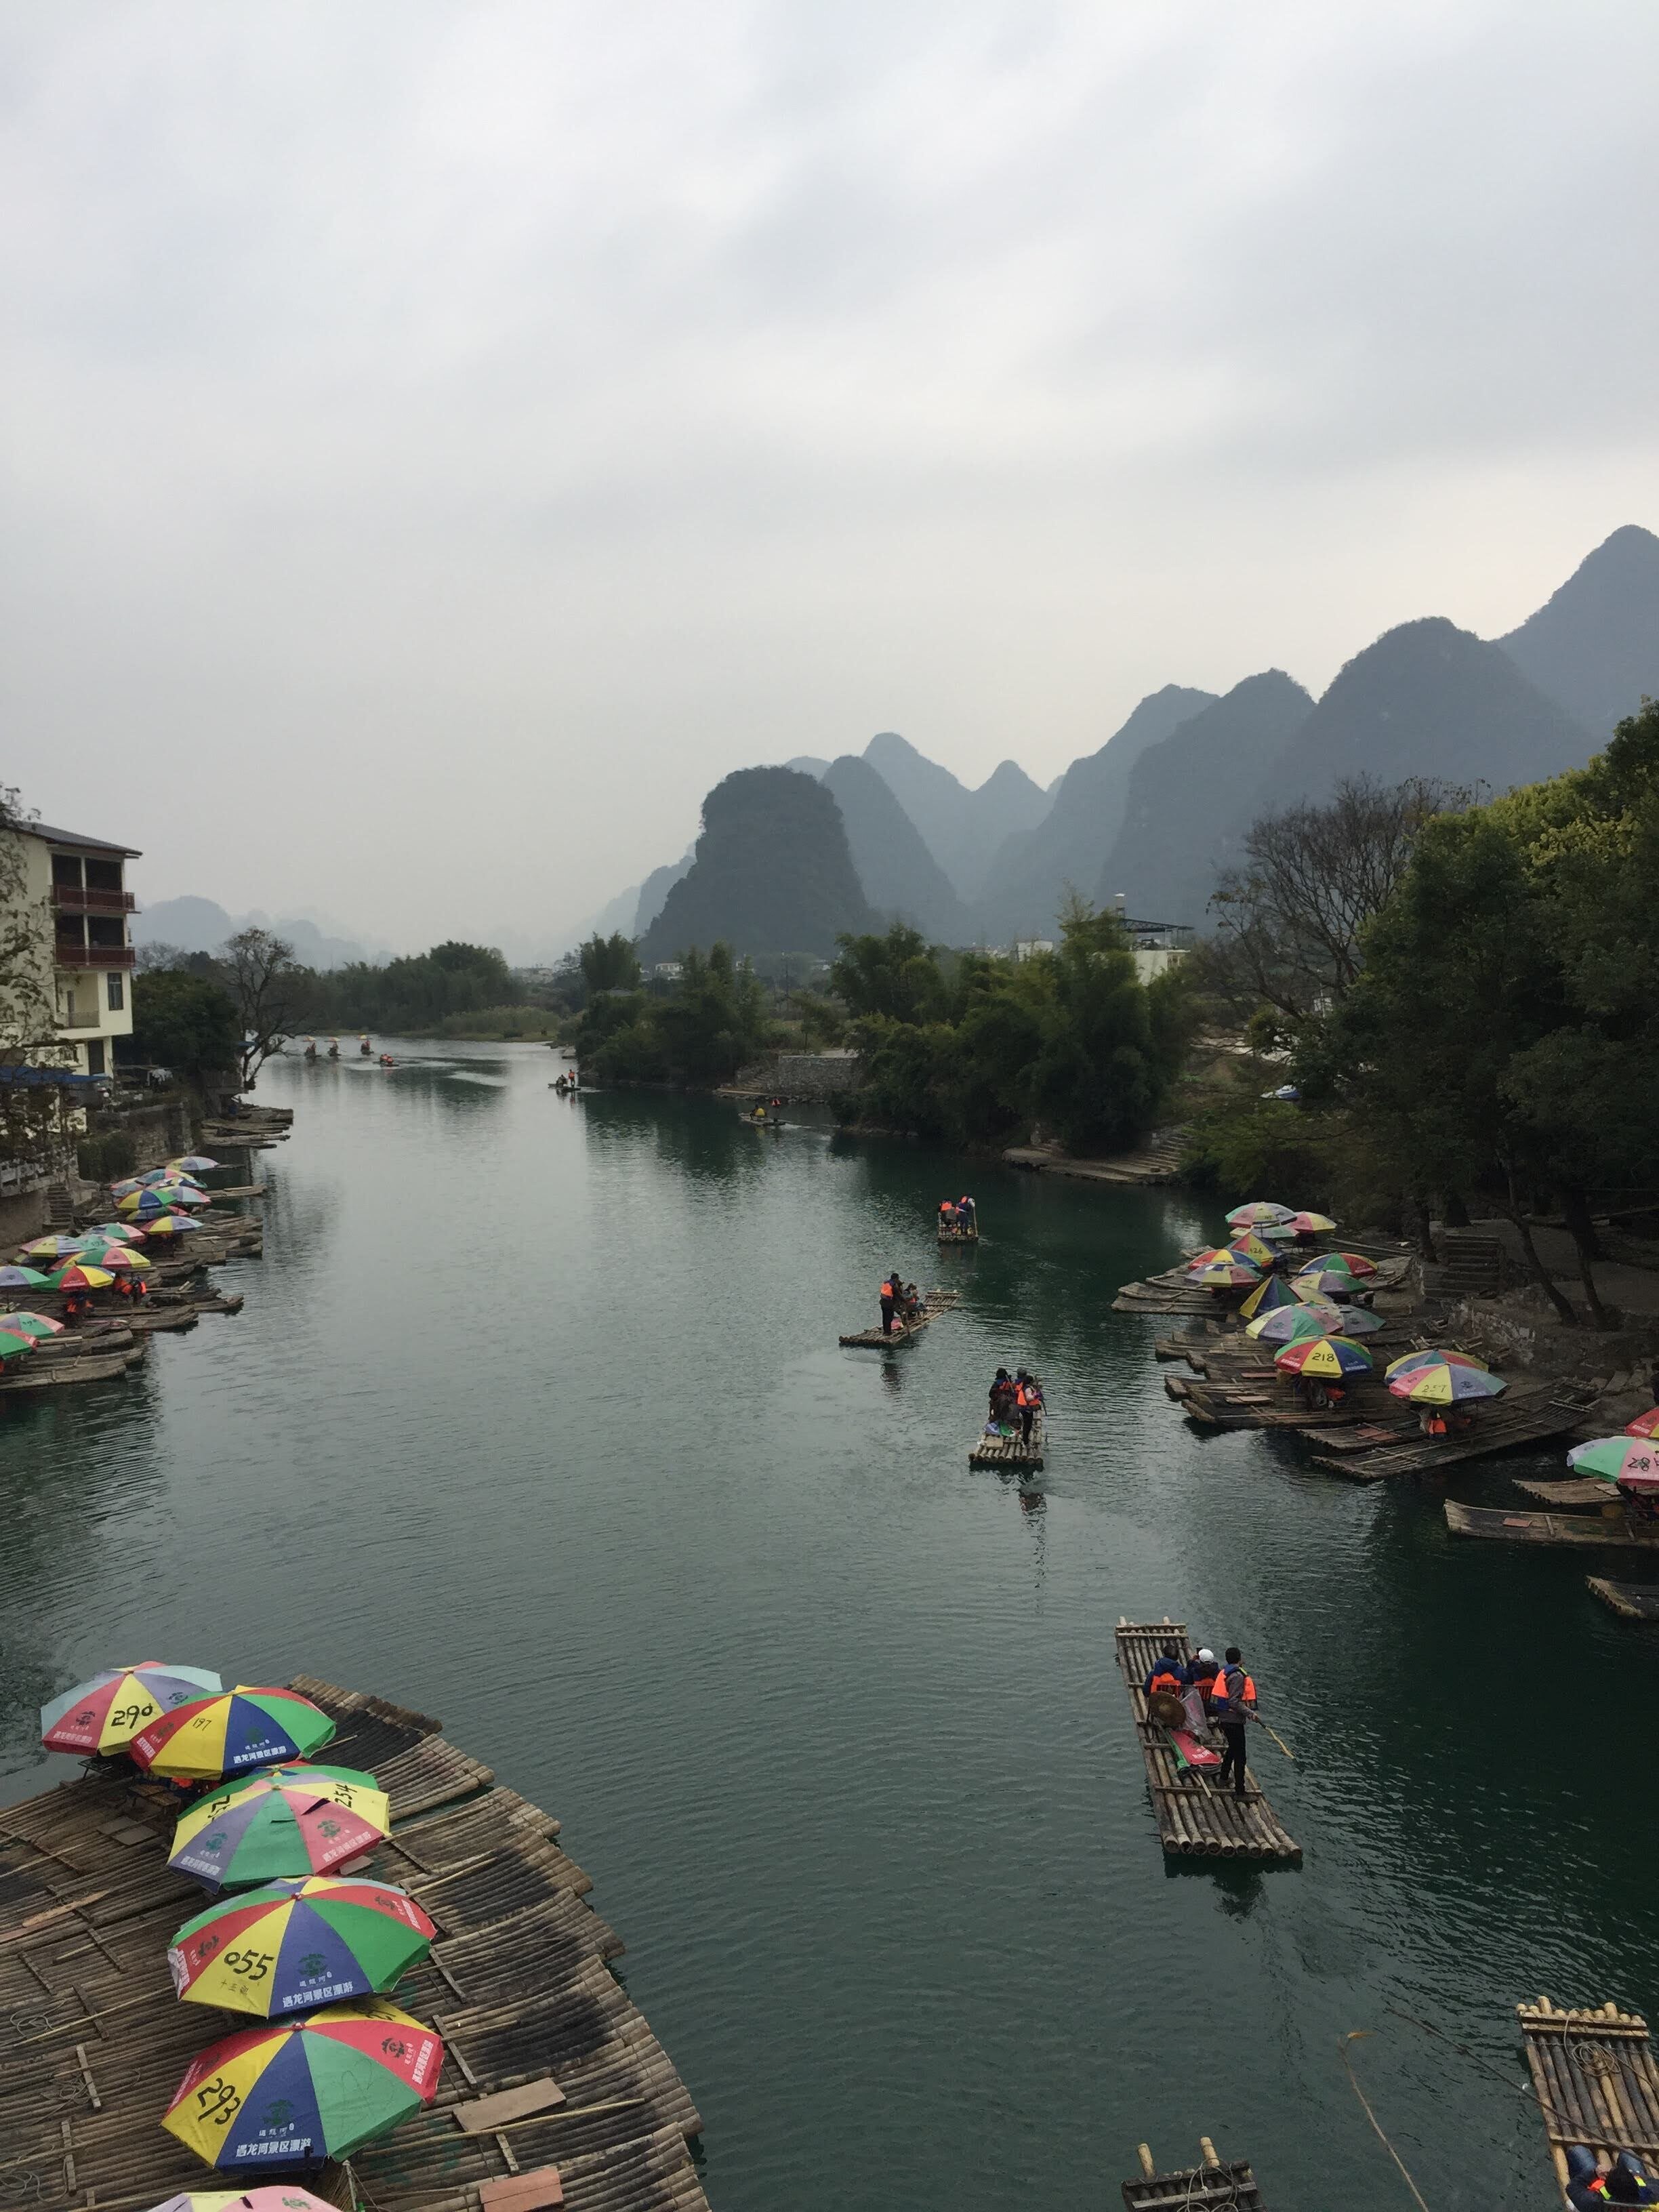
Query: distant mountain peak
x=1593, y=647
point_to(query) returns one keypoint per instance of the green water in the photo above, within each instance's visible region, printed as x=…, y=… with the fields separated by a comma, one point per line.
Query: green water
x=535, y=1420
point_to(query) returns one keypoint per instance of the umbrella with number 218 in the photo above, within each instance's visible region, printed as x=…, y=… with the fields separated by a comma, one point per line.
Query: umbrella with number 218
x=297, y=2093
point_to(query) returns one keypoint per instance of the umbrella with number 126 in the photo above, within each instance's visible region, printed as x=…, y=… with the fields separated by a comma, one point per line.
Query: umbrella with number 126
x=236, y=1729
x=106, y=1713
x=291, y=1946
x=283, y=1824
x=295, y=2092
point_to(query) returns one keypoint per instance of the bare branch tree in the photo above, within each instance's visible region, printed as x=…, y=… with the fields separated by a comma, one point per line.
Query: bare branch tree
x=36, y=1131
x=1291, y=919
x=266, y=985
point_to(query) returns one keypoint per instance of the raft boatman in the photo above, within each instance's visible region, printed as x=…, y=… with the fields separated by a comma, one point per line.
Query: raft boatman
x=1232, y=1703
x=888, y=1292
x=1626, y=2181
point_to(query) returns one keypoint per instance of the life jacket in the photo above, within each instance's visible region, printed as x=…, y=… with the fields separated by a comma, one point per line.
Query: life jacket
x=1437, y=1425
x=1163, y=1679
x=887, y=1291
x=1219, y=1688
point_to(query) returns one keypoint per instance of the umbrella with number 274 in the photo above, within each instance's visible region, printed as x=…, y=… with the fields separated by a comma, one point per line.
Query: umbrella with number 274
x=280, y=1826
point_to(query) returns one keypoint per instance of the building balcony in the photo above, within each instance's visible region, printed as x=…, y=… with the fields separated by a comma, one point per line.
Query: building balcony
x=72, y=898
x=95, y=955
x=80, y=1019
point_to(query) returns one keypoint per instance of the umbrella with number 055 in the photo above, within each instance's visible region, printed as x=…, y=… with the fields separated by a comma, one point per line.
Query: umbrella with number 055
x=106, y=1713
x=280, y=1825
x=232, y=1731
x=297, y=2092
x=291, y=1946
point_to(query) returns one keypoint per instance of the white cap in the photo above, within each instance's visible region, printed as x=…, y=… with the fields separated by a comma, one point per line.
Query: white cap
x=1210, y=1655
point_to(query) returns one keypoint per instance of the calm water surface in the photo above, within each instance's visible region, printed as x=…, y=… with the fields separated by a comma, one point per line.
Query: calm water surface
x=535, y=1419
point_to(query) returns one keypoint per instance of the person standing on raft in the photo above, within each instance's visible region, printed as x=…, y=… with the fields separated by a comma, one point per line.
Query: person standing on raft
x=1232, y=1703
x=888, y=1292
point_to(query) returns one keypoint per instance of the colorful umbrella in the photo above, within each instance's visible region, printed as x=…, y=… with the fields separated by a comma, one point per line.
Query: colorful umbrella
x=281, y=1825
x=280, y=2197
x=1446, y=1382
x=1268, y=1297
x=12, y=1342
x=1308, y=1224
x=1409, y=1362
x=21, y=1279
x=1644, y=1424
x=1224, y=1275
x=117, y=1232
x=1631, y=1460
x=1296, y=1323
x=106, y=1713
x=180, y=1194
x=1259, y=1209
x=120, y=1258
x=170, y=1224
x=54, y=1248
x=1327, y=1359
x=248, y=1726
x=1249, y=1248
x=128, y=1184
x=30, y=1324
x=192, y=1164
x=73, y=1276
x=1354, y=1265
x=298, y=2092
x=291, y=1946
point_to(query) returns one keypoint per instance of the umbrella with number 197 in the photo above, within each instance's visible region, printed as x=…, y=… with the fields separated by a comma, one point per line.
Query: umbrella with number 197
x=297, y=2092
x=229, y=1733
x=106, y=1713
x=283, y=1824
x=291, y=1946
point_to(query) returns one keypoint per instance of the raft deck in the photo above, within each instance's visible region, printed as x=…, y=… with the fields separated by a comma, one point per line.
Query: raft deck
x=1194, y=1819
x=935, y=1303
x=518, y=1985
x=1550, y=1528
x=1215, y=2184
x=1594, y=2078
x=959, y=1235
x=1009, y=1451
x=1636, y=1600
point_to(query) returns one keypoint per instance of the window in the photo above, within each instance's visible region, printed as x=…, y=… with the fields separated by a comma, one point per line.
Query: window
x=95, y=1055
x=116, y=993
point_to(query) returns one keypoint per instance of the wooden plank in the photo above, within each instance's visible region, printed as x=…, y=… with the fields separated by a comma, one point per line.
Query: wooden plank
x=522, y=2192
x=1576, y=1491
x=483, y=2115
x=1009, y=1451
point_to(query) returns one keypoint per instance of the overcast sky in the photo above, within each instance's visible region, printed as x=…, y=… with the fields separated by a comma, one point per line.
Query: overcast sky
x=441, y=441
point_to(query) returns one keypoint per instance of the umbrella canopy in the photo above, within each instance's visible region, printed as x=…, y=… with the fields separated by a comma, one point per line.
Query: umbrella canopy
x=1410, y=1361
x=13, y=1341
x=1308, y=1224
x=1296, y=1323
x=1248, y=1247
x=141, y=1202
x=227, y=1733
x=170, y=1224
x=180, y=1194
x=1632, y=1461
x=30, y=1324
x=21, y=1279
x=1258, y=1210
x=118, y=1232
x=127, y=1183
x=1269, y=1297
x=1354, y=1265
x=291, y=1946
x=54, y=1248
x=106, y=1713
x=192, y=1164
x=282, y=1826
x=297, y=2092
x=1326, y=1358
x=1446, y=1382
x=1224, y=1274
x=74, y=1276
x=283, y=2197
x=120, y=1259
x=1644, y=1424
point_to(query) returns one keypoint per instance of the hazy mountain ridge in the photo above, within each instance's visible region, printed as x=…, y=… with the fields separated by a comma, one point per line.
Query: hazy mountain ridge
x=962, y=829
x=901, y=877
x=202, y=925
x=1594, y=646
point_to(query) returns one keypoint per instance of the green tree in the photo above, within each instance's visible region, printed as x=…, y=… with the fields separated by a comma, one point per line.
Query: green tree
x=609, y=963
x=897, y=976
x=185, y=1022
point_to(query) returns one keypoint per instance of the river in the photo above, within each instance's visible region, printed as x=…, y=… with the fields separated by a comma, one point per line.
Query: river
x=535, y=1419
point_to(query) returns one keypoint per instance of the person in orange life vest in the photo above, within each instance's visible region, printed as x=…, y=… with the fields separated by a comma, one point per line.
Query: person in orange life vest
x=1432, y=1421
x=888, y=1289
x=1027, y=1398
x=1232, y=1702
x=1201, y=1673
x=947, y=1214
x=1626, y=2181
x=1166, y=1673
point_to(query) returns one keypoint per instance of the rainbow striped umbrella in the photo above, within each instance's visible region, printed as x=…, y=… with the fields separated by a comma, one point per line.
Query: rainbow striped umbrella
x=231, y=1731
x=1256, y=1212
x=30, y=1324
x=1269, y=1297
x=105, y=1714
x=1409, y=1363
x=21, y=1279
x=295, y=2092
x=281, y=2196
x=1296, y=1323
x=13, y=1341
x=1632, y=1461
x=171, y=1224
x=1446, y=1382
x=1644, y=1424
x=1249, y=1248
x=1326, y=1358
x=291, y=1946
x=123, y=1232
x=193, y=1164
x=54, y=1248
x=75, y=1275
x=121, y=1259
x=1308, y=1224
x=1224, y=1275
x=1349, y=1267
x=281, y=1825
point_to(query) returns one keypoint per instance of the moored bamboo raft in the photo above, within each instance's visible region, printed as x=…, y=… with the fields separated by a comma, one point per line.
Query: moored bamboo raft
x=1575, y=1493
x=1194, y=1819
x=1009, y=1451
x=1550, y=1527
x=934, y=1302
x=1636, y=1600
x=1209, y=2187
x=1594, y=2074
x=32, y=1373
x=517, y=1983
x=1527, y=1415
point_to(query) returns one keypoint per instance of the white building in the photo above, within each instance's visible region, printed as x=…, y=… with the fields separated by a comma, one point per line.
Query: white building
x=77, y=887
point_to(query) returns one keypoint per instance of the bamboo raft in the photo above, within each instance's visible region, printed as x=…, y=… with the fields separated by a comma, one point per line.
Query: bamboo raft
x=554, y=2088
x=1636, y=1600
x=1550, y=1527
x=935, y=1303
x=1527, y=1415
x=1595, y=2077
x=1575, y=1493
x=1209, y=2187
x=1009, y=1451
x=1194, y=1819
x=34, y=1373
x=959, y=1235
